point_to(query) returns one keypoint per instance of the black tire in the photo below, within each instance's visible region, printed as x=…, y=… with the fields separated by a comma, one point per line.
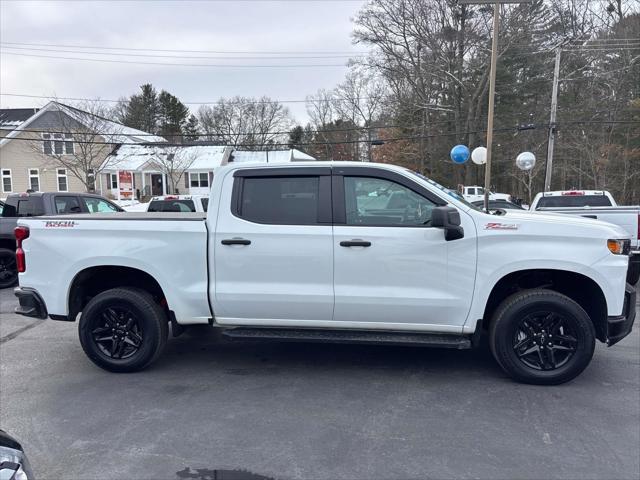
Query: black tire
x=633, y=275
x=123, y=330
x=8, y=268
x=541, y=337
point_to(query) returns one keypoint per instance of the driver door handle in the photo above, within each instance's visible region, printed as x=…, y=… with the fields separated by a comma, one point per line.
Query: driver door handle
x=356, y=242
x=236, y=241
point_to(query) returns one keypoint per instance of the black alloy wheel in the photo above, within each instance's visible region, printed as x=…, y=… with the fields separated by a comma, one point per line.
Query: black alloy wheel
x=8, y=268
x=545, y=340
x=119, y=333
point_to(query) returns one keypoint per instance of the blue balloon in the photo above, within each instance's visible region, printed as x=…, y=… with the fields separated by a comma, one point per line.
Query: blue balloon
x=460, y=154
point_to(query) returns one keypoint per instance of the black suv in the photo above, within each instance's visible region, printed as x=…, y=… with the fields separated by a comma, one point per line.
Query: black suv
x=35, y=205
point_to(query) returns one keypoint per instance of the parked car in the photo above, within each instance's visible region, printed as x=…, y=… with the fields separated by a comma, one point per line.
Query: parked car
x=475, y=194
x=598, y=205
x=1, y=207
x=179, y=203
x=498, y=204
x=302, y=252
x=21, y=205
x=14, y=464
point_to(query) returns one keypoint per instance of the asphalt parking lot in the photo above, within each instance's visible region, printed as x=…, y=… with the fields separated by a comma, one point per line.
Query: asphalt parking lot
x=303, y=411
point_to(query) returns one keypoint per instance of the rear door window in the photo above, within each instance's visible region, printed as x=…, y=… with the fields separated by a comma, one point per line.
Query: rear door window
x=575, y=201
x=205, y=203
x=177, y=206
x=288, y=200
x=67, y=204
x=23, y=207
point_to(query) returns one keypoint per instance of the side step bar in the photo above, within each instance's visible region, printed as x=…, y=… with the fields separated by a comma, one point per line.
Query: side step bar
x=350, y=336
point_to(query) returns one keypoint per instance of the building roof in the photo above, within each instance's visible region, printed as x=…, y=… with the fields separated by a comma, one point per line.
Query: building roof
x=198, y=157
x=12, y=117
x=115, y=132
x=269, y=156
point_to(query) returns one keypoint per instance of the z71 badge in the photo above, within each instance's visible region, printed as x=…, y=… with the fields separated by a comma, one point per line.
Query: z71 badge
x=60, y=224
x=501, y=226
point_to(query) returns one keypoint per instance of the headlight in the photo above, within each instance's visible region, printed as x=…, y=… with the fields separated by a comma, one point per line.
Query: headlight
x=619, y=247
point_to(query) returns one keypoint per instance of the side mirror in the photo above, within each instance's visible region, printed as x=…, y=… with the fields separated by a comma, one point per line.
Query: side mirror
x=447, y=218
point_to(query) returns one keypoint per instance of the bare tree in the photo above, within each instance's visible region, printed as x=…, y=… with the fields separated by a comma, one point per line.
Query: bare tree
x=360, y=98
x=246, y=121
x=174, y=160
x=78, y=138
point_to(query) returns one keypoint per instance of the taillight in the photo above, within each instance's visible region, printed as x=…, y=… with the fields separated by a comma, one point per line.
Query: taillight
x=21, y=234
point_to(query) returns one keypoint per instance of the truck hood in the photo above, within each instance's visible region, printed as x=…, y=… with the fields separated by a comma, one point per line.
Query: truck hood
x=556, y=220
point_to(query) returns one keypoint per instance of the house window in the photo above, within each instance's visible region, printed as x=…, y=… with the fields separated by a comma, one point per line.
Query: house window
x=199, y=180
x=62, y=180
x=34, y=179
x=7, y=184
x=113, y=180
x=68, y=144
x=57, y=143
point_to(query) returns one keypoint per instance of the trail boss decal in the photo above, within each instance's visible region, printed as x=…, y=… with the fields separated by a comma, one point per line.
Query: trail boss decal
x=501, y=226
x=60, y=224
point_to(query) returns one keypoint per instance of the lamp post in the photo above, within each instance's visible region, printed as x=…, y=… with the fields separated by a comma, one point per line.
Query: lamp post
x=492, y=84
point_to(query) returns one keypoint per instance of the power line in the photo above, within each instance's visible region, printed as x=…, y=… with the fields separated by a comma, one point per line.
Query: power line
x=30, y=49
x=210, y=65
x=502, y=129
x=251, y=52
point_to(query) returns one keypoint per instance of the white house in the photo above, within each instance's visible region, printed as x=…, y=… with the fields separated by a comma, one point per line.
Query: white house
x=193, y=166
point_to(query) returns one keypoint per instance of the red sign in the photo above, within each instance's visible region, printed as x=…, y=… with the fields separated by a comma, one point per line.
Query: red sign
x=125, y=182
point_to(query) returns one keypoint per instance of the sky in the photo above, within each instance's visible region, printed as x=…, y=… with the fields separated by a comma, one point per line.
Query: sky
x=257, y=27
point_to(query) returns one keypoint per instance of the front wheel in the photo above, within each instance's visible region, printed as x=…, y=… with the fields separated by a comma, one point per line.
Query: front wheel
x=123, y=330
x=542, y=337
x=8, y=268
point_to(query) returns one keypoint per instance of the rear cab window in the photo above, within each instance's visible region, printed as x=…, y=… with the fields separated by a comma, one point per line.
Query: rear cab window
x=205, y=203
x=177, y=206
x=575, y=201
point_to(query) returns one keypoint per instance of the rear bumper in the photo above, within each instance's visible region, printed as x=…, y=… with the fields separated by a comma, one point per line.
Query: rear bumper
x=31, y=303
x=620, y=326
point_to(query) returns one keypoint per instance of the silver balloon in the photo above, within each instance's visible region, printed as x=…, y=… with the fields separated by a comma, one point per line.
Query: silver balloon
x=526, y=161
x=479, y=155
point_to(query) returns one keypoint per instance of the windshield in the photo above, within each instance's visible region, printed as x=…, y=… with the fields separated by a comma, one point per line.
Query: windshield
x=448, y=191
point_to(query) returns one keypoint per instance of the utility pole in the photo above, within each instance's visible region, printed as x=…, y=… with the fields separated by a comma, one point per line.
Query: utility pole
x=552, y=121
x=492, y=85
x=492, y=91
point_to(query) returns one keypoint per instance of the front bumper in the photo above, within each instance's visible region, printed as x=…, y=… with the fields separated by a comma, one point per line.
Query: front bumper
x=31, y=303
x=620, y=326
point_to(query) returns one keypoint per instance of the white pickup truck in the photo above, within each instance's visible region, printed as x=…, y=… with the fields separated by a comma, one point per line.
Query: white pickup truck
x=598, y=205
x=335, y=251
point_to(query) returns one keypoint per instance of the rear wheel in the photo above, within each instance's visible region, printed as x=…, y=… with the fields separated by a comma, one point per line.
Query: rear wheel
x=123, y=330
x=8, y=268
x=542, y=337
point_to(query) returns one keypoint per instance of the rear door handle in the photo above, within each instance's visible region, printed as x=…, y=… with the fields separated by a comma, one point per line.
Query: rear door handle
x=355, y=243
x=236, y=241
